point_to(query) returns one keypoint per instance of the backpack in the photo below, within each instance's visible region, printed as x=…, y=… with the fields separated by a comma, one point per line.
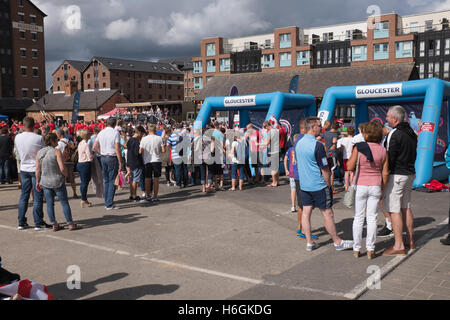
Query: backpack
x=67, y=154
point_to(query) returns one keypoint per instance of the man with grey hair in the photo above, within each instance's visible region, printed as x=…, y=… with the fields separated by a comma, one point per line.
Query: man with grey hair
x=401, y=145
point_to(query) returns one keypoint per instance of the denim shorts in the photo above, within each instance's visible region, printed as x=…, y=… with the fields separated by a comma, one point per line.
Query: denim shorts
x=136, y=174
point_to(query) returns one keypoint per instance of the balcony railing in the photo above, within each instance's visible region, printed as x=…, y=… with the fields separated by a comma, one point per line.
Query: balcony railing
x=224, y=67
x=321, y=39
x=198, y=70
x=244, y=48
x=421, y=29
x=268, y=64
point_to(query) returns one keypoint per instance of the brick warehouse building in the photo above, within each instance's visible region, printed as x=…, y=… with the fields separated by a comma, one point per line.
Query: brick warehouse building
x=185, y=65
x=92, y=104
x=69, y=70
x=139, y=81
x=22, y=50
x=422, y=39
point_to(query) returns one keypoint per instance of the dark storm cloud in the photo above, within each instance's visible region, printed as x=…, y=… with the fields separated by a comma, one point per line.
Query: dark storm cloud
x=153, y=29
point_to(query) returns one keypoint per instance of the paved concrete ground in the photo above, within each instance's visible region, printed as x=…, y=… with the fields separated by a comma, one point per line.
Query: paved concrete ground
x=228, y=245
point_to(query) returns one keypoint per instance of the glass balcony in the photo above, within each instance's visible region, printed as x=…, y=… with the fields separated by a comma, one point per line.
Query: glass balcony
x=302, y=61
x=381, y=33
x=285, y=44
x=211, y=69
x=380, y=55
x=268, y=64
x=198, y=86
x=285, y=63
x=198, y=69
x=404, y=49
x=225, y=68
x=359, y=53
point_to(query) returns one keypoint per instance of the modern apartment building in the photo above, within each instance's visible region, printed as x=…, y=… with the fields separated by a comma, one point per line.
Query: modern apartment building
x=22, y=50
x=387, y=39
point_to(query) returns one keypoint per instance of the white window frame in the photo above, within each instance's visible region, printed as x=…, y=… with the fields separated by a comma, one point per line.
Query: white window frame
x=422, y=48
x=446, y=69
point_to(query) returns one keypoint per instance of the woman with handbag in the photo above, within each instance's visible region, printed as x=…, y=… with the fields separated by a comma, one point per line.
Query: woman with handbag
x=50, y=177
x=370, y=179
x=84, y=165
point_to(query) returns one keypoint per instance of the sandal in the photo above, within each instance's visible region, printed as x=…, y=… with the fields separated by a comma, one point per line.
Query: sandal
x=74, y=226
x=57, y=227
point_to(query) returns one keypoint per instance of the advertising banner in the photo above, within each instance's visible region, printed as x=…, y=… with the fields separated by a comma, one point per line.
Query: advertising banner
x=414, y=112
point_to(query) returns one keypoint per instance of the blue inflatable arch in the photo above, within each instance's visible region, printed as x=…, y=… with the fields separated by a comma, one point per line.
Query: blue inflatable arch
x=432, y=92
x=274, y=102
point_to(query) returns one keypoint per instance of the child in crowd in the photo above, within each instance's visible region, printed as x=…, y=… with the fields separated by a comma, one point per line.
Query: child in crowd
x=290, y=165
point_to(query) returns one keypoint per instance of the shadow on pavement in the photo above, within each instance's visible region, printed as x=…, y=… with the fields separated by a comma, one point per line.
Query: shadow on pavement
x=61, y=292
x=110, y=219
x=135, y=293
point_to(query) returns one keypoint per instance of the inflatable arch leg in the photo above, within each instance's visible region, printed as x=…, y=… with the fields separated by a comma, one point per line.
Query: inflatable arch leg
x=427, y=138
x=362, y=115
x=244, y=118
x=276, y=106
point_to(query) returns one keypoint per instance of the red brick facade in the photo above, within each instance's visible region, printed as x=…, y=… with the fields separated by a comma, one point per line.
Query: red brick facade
x=28, y=49
x=296, y=47
x=137, y=86
x=391, y=40
x=60, y=79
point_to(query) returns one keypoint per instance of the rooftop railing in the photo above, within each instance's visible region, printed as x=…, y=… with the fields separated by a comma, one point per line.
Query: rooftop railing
x=421, y=29
x=262, y=46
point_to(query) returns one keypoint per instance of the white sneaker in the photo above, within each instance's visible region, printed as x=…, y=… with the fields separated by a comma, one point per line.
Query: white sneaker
x=113, y=208
x=345, y=244
x=293, y=209
x=311, y=247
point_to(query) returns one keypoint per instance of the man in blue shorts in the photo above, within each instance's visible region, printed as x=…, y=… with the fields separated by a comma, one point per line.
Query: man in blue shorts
x=314, y=175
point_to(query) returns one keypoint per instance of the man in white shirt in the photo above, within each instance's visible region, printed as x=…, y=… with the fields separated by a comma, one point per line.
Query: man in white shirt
x=108, y=146
x=151, y=148
x=28, y=144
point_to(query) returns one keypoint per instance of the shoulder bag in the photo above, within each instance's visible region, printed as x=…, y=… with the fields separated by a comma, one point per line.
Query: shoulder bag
x=349, y=197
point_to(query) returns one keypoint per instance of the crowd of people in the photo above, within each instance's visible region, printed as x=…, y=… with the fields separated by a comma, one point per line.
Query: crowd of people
x=114, y=153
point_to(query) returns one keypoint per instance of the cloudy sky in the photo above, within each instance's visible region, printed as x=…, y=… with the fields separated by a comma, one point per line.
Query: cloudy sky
x=154, y=29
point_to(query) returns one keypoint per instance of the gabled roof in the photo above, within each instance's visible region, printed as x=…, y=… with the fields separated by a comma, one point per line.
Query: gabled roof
x=78, y=65
x=92, y=100
x=311, y=81
x=183, y=63
x=43, y=14
x=139, y=66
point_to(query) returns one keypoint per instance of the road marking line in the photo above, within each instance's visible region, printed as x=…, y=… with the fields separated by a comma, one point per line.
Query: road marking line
x=143, y=257
x=202, y=270
x=360, y=289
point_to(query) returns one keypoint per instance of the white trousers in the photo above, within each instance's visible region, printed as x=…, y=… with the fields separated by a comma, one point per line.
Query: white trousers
x=366, y=205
